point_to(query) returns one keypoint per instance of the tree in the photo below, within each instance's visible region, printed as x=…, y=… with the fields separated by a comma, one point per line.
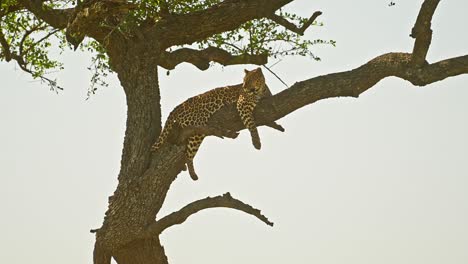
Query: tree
x=145, y=180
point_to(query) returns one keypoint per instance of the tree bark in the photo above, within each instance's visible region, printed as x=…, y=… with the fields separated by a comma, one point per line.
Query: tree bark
x=135, y=203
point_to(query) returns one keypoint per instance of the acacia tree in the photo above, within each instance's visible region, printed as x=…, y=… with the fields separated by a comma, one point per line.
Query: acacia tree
x=133, y=38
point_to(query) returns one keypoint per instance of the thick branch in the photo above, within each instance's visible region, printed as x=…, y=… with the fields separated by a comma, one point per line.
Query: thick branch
x=225, y=16
x=422, y=31
x=57, y=18
x=290, y=26
x=202, y=58
x=349, y=83
x=226, y=200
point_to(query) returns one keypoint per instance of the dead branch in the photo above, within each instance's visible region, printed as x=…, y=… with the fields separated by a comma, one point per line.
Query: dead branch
x=225, y=200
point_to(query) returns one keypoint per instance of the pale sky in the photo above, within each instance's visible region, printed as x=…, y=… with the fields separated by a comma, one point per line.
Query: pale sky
x=378, y=179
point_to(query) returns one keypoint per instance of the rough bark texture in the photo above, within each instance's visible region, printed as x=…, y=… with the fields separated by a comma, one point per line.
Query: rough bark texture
x=126, y=217
x=130, y=231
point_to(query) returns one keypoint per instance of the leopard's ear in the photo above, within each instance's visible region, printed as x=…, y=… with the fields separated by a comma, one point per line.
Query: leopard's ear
x=246, y=71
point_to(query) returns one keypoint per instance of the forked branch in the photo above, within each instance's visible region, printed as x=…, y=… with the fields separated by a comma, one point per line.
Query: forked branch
x=290, y=26
x=225, y=200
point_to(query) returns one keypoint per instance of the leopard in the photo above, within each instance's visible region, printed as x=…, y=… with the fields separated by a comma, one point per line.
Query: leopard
x=197, y=111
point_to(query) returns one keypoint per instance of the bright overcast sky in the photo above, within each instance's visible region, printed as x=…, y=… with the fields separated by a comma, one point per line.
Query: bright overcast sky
x=378, y=179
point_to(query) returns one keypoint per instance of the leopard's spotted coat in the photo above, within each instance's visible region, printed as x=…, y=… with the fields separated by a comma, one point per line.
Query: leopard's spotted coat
x=196, y=111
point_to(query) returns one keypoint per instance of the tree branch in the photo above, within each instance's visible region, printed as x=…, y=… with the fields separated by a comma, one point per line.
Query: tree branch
x=202, y=58
x=422, y=31
x=19, y=58
x=27, y=33
x=24, y=66
x=350, y=83
x=226, y=200
x=48, y=35
x=57, y=18
x=225, y=16
x=290, y=26
x=5, y=47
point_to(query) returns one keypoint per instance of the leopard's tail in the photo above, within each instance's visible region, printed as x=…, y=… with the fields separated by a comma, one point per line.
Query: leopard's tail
x=164, y=134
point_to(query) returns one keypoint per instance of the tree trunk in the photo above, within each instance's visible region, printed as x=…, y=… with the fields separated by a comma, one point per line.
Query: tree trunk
x=143, y=179
x=143, y=251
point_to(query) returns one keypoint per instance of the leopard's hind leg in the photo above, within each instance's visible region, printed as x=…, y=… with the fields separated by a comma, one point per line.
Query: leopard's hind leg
x=193, y=145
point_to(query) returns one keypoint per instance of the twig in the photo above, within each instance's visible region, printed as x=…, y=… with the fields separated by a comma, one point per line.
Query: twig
x=276, y=75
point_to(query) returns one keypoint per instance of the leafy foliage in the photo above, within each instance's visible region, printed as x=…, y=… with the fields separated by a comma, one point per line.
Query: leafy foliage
x=99, y=67
x=154, y=9
x=29, y=40
x=263, y=36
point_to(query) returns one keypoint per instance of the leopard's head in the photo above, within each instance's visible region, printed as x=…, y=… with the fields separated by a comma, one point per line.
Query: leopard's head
x=254, y=82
